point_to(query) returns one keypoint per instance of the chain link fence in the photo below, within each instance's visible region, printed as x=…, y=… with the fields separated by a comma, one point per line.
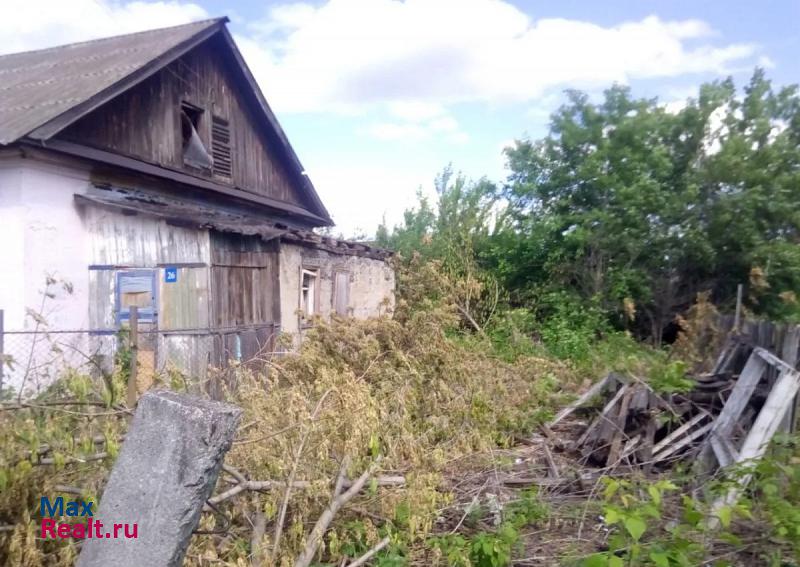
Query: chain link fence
x=31, y=360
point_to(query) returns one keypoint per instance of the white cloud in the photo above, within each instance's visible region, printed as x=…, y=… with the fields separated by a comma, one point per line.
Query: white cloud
x=359, y=195
x=442, y=126
x=397, y=131
x=766, y=62
x=351, y=55
x=415, y=111
x=675, y=106
x=26, y=24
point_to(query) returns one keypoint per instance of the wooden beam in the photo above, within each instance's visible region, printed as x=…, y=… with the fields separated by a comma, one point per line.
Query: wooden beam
x=622, y=417
x=772, y=359
x=755, y=444
x=159, y=171
x=683, y=442
x=734, y=406
x=597, y=388
x=602, y=418
x=133, y=323
x=724, y=450
x=679, y=432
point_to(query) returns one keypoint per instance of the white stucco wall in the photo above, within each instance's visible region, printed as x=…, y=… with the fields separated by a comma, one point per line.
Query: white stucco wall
x=42, y=235
x=12, y=275
x=371, y=284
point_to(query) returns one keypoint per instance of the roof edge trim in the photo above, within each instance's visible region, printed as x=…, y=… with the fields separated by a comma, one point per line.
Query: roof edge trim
x=96, y=155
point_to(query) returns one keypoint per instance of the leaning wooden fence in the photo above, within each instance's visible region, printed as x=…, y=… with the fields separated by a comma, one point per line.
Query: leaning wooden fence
x=781, y=339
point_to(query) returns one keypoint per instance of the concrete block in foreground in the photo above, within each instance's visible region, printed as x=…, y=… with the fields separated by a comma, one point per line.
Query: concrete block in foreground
x=166, y=469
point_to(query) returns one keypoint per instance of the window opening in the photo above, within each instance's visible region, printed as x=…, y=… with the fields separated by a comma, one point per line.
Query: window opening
x=194, y=151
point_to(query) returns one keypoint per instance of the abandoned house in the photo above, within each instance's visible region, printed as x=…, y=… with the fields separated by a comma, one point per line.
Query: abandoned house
x=148, y=170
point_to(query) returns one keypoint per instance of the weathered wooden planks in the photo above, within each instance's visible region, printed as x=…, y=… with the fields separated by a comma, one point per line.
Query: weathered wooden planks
x=144, y=122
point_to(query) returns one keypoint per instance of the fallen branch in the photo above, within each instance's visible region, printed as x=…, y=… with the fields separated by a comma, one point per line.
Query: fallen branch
x=259, y=529
x=55, y=406
x=296, y=463
x=371, y=553
x=70, y=489
x=338, y=499
x=265, y=485
x=256, y=486
x=70, y=460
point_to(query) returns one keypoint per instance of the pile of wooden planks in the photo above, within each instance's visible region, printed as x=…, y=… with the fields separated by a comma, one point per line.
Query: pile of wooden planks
x=728, y=417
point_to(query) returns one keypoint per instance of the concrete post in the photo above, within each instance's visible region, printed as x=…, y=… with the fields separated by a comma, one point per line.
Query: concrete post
x=165, y=471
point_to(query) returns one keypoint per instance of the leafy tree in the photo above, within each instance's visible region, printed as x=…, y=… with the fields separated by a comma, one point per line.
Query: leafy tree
x=455, y=233
x=628, y=209
x=634, y=207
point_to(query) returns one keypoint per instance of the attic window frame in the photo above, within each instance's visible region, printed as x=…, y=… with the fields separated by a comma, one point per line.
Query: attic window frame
x=194, y=115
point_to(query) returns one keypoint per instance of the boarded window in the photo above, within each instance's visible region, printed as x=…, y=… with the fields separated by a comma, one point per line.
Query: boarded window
x=221, y=147
x=136, y=288
x=341, y=293
x=308, y=291
x=194, y=151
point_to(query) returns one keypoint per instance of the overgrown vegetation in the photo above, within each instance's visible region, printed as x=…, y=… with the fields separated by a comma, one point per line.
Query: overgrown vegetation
x=612, y=229
x=404, y=390
x=625, y=211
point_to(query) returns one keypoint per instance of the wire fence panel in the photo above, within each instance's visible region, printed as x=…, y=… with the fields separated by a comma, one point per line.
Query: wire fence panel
x=32, y=360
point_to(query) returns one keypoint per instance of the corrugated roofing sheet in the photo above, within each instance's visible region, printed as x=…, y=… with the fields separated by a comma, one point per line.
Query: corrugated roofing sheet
x=38, y=86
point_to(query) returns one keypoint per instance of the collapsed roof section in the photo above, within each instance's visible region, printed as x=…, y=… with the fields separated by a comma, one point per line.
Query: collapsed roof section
x=196, y=215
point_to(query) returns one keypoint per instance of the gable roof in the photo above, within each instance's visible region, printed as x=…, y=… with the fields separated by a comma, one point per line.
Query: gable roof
x=39, y=86
x=44, y=91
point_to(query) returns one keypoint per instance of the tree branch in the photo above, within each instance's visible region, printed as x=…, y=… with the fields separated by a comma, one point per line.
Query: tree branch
x=296, y=463
x=371, y=553
x=337, y=501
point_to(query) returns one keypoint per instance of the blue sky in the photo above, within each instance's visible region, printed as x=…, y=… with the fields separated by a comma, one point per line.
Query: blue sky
x=377, y=96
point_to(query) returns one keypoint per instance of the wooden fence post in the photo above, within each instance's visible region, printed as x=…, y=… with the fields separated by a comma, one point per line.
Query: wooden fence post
x=789, y=354
x=133, y=322
x=737, y=321
x=2, y=350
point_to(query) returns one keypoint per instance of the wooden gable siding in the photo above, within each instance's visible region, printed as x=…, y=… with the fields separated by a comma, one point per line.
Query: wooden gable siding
x=144, y=123
x=244, y=276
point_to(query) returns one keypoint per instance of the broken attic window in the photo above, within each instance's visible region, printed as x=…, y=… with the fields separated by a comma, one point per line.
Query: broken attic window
x=308, y=292
x=194, y=152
